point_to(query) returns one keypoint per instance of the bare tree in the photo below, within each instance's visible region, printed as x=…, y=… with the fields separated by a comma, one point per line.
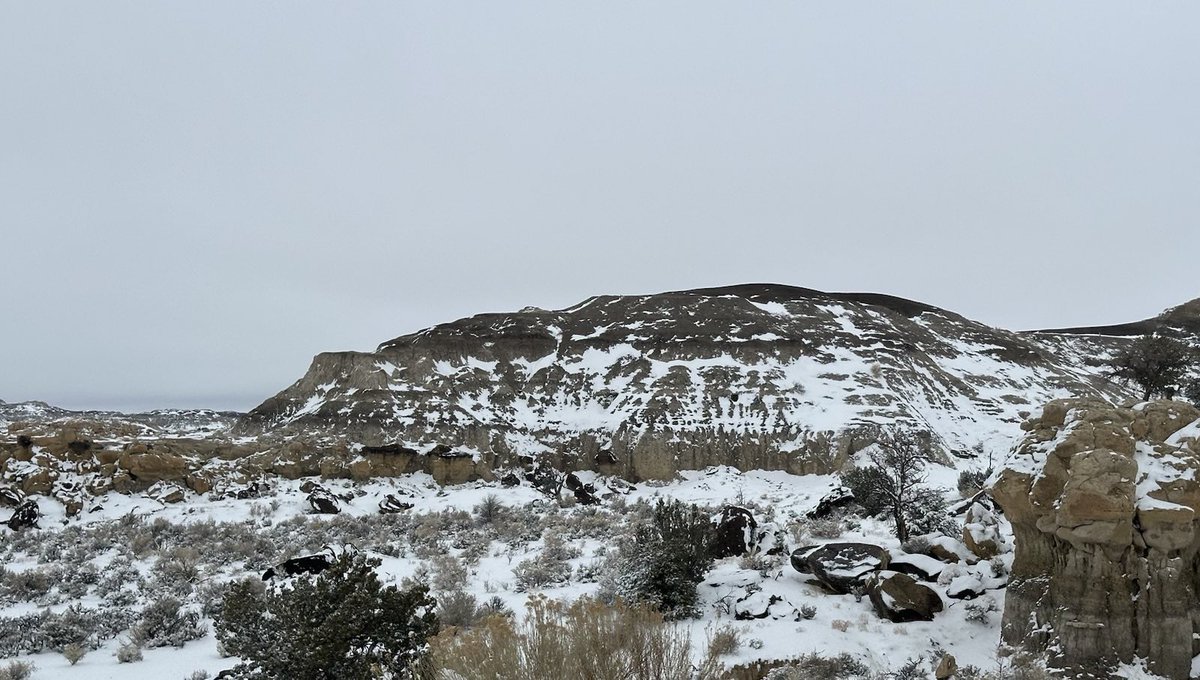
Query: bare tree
x=899, y=460
x=1156, y=363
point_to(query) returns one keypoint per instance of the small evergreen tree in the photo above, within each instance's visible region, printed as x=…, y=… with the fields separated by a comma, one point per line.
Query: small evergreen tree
x=342, y=624
x=894, y=481
x=667, y=558
x=1155, y=363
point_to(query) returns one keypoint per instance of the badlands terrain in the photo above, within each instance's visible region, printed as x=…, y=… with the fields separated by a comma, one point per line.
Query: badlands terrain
x=512, y=455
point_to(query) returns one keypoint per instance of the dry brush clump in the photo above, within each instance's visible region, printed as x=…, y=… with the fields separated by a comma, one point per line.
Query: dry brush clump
x=583, y=639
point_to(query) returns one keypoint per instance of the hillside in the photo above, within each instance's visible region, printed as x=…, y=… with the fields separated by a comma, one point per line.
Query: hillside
x=761, y=375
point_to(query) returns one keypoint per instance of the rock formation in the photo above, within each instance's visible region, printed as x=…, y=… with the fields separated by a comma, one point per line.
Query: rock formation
x=1103, y=503
x=755, y=376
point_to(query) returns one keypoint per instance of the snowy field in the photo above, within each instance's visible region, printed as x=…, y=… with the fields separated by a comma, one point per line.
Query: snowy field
x=841, y=623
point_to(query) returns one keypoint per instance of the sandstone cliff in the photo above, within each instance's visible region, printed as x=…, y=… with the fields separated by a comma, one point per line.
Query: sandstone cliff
x=1103, y=503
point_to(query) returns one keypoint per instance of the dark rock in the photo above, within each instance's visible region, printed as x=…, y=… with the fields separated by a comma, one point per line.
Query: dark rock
x=510, y=479
x=11, y=497
x=605, y=457
x=26, y=515
x=735, y=533
x=965, y=587
x=390, y=504
x=251, y=490
x=899, y=598
x=585, y=494
x=307, y=564
x=838, y=497
x=756, y=605
x=841, y=567
x=323, y=501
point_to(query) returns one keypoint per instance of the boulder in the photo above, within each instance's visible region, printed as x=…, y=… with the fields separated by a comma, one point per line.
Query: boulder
x=838, y=497
x=307, y=564
x=965, y=587
x=25, y=516
x=11, y=497
x=898, y=598
x=38, y=481
x=71, y=494
x=391, y=505
x=841, y=567
x=150, y=467
x=735, y=532
x=585, y=494
x=760, y=604
x=922, y=567
x=165, y=492
x=1103, y=502
x=200, y=483
x=946, y=668
x=981, y=532
x=323, y=501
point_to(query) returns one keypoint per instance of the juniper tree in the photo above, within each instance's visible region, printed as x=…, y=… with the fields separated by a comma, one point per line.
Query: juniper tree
x=342, y=624
x=667, y=559
x=1155, y=363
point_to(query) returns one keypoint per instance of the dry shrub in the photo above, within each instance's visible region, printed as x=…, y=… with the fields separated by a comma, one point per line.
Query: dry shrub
x=840, y=625
x=586, y=639
x=724, y=641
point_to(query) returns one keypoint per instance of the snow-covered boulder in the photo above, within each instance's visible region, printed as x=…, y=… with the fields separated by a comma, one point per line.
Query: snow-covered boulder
x=841, y=567
x=736, y=532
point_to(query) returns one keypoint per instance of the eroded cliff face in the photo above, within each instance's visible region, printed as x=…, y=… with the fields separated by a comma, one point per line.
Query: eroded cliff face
x=1103, y=503
x=759, y=376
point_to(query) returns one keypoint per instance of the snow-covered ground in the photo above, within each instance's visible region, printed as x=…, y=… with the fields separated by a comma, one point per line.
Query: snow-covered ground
x=841, y=623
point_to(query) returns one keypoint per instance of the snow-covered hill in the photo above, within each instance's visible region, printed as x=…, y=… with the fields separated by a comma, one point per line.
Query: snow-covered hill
x=755, y=376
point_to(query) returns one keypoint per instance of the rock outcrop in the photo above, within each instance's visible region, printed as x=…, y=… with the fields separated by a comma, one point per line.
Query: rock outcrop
x=1103, y=503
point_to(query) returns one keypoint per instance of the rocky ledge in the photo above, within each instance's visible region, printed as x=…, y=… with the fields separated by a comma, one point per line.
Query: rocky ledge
x=1103, y=503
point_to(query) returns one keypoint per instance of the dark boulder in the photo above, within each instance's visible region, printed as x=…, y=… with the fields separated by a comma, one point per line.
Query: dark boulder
x=735, y=533
x=390, y=504
x=841, y=567
x=966, y=586
x=757, y=605
x=254, y=489
x=605, y=457
x=838, y=497
x=898, y=598
x=510, y=479
x=26, y=515
x=585, y=494
x=307, y=564
x=324, y=502
x=11, y=497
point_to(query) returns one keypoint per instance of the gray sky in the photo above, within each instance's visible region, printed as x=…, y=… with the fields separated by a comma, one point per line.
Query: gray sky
x=195, y=198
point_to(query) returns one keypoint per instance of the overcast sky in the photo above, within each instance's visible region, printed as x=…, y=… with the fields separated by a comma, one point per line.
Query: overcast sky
x=195, y=198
